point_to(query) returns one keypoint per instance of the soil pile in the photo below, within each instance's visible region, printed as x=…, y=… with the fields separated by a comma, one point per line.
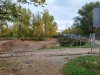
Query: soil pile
x=10, y=44
x=19, y=43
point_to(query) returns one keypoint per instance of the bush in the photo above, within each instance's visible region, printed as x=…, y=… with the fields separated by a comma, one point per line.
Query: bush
x=14, y=35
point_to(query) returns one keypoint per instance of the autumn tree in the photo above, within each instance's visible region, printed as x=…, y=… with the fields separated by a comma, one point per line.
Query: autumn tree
x=53, y=28
x=8, y=12
x=24, y=24
x=50, y=26
x=66, y=31
x=97, y=31
x=25, y=21
x=37, y=26
x=43, y=25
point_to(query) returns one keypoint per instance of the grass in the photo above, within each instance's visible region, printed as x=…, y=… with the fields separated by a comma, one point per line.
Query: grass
x=87, y=45
x=79, y=67
x=5, y=64
x=53, y=47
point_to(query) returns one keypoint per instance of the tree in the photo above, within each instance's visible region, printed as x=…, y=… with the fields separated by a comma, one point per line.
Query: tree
x=25, y=21
x=35, y=2
x=75, y=30
x=4, y=30
x=53, y=29
x=97, y=31
x=67, y=31
x=8, y=10
x=85, y=18
x=14, y=29
x=2, y=25
x=44, y=26
x=49, y=24
x=23, y=24
x=37, y=26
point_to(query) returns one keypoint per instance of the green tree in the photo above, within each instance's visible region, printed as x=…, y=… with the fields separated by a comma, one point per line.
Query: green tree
x=75, y=30
x=8, y=10
x=85, y=18
x=14, y=29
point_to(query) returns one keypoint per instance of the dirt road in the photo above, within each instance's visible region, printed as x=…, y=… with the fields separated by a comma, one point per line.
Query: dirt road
x=30, y=61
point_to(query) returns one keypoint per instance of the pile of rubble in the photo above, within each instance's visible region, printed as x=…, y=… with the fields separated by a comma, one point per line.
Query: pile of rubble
x=71, y=40
x=11, y=44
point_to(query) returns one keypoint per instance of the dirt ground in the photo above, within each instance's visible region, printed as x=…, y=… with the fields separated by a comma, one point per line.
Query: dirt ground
x=25, y=59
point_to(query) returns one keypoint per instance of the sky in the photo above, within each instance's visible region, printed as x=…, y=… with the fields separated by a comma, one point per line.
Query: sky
x=63, y=10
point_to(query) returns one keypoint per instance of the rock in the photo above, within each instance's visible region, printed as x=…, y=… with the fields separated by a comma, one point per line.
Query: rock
x=29, y=61
x=11, y=74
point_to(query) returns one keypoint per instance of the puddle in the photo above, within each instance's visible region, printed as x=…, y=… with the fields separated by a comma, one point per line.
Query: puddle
x=50, y=45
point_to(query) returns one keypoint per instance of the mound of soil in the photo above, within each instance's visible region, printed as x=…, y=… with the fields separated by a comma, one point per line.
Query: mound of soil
x=19, y=43
x=10, y=44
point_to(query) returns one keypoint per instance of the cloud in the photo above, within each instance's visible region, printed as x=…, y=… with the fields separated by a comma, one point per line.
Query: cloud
x=63, y=10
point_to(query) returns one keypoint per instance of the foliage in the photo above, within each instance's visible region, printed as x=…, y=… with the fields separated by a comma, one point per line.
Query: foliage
x=73, y=30
x=25, y=23
x=34, y=25
x=67, y=31
x=43, y=26
x=85, y=18
x=8, y=10
x=50, y=26
x=37, y=26
x=97, y=31
x=35, y=2
x=75, y=66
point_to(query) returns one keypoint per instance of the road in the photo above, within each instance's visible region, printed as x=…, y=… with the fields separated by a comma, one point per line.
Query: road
x=30, y=61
